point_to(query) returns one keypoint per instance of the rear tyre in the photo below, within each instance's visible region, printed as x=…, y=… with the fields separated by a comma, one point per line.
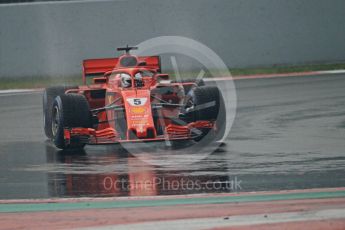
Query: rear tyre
x=69, y=111
x=49, y=95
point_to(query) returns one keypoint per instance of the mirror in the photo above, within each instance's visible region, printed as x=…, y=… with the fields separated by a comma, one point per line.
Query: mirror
x=143, y=63
x=162, y=76
x=99, y=80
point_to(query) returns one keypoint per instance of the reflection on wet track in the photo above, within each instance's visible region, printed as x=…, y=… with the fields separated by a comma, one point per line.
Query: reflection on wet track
x=288, y=134
x=117, y=173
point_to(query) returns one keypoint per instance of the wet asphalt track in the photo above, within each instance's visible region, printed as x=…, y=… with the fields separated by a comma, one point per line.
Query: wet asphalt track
x=288, y=134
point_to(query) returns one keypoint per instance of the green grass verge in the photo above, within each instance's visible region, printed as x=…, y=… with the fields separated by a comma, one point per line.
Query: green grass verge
x=42, y=82
x=37, y=82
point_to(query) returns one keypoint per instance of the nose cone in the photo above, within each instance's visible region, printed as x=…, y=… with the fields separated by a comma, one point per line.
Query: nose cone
x=138, y=113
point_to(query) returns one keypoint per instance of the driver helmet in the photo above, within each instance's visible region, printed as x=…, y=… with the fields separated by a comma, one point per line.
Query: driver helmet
x=126, y=81
x=138, y=80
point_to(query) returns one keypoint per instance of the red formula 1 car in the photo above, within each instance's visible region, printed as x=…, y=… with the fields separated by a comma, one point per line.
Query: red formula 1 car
x=130, y=100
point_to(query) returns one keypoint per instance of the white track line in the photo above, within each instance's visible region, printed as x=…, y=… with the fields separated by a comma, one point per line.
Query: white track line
x=13, y=92
x=333, y=71
x=281, y=75
x=231, y=221
x=16, y=90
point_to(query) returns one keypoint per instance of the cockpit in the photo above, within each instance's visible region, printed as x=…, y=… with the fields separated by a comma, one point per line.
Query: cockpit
x=124, y=80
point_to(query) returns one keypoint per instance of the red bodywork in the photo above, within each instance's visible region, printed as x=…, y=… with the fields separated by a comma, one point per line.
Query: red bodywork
x=126, y=114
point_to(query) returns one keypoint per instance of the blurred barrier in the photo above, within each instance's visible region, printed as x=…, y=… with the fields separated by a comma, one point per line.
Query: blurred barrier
x=51, y=39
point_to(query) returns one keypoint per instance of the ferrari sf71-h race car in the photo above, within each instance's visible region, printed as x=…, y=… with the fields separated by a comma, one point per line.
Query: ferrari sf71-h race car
x=130, y=100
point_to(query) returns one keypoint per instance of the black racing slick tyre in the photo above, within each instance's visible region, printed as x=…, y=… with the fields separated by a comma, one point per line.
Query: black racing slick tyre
x=203, y=103
x=206, y=103
x=69, y=111
x=49, y=95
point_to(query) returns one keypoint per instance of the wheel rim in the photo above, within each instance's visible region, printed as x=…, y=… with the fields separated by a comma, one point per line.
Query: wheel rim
x=55, y=120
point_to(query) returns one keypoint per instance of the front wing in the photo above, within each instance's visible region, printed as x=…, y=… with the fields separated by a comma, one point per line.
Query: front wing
x=111, y=136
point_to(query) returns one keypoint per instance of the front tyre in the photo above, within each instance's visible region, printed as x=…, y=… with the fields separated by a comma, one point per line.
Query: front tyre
x=206, y=103
x=49, y=95
x=69, y=111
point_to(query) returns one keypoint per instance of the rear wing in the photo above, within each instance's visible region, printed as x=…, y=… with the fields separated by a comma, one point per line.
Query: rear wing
x=93, y=67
